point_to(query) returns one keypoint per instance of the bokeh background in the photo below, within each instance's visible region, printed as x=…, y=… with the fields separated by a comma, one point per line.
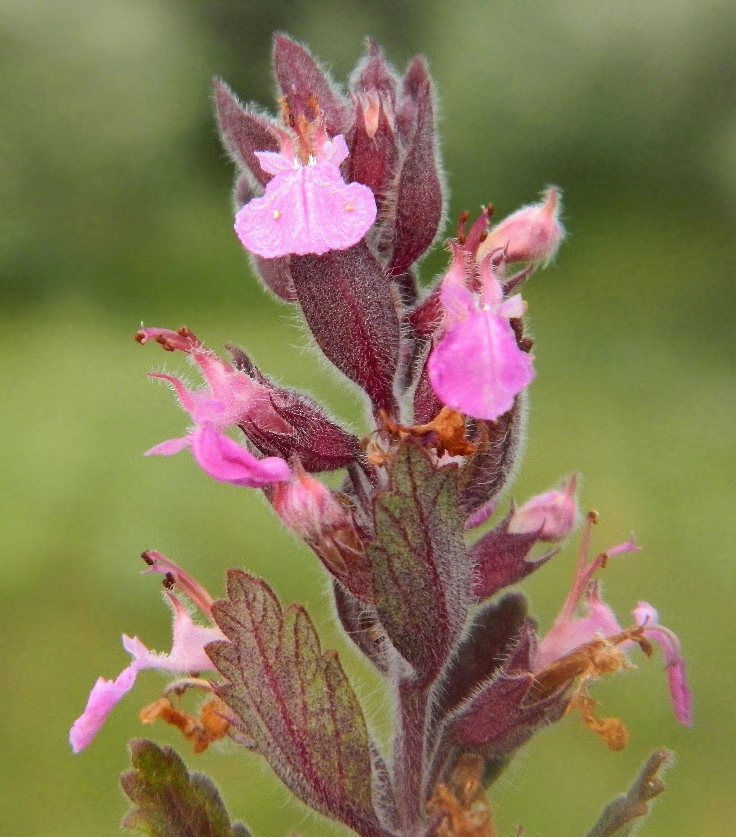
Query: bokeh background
x=115, y=202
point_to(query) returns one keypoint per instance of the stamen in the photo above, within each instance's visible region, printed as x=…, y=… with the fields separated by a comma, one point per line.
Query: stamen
x=276, y=215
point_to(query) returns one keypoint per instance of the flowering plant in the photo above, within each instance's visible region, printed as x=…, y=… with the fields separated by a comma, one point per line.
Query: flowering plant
x=337, y=200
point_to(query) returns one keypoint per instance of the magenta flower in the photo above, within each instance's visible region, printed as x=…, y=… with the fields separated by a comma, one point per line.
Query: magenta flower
x=477, y=367
x=570, y=631
x=307, y=207
x=187, y=653
x=231, y=397
x=552, y=515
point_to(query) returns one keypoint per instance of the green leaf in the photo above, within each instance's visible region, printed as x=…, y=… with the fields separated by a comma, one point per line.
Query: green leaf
x=170, y=801
x=620, y=817
x=293, y=703
x=421, y=571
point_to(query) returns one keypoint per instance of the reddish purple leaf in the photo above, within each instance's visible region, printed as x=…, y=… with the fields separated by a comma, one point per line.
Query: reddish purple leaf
x=349, y=309
x=293, y=703
x=361, y=623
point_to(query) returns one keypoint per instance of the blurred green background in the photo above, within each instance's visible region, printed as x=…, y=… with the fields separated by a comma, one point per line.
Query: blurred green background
x=116, y=208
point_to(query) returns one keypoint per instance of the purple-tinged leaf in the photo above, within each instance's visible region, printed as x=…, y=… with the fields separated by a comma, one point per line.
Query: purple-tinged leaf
x=419, y=562
x=300, y=76
x=621, y=817
x=504, y=714
x=170, y=801
x=500, y=559
x=320, y=443
x=485, y=474
x=293, y=703
x=347, y=303
x=361, y=623
x=419, y=197
x=244, y=132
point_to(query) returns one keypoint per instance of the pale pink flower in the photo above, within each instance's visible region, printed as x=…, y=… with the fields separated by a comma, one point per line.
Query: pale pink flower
x=477, y=367
x=230, y=397
x=552, y=515
x=531, y=234
x=187, y=654
x=598, y=621
x=307, y=208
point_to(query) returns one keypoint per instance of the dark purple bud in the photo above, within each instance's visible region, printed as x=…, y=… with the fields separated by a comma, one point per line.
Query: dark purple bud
x=500, y=559
x=349, y=309
x=244, y=132
x=320, y=443
x=418, y=190
x=300, y=77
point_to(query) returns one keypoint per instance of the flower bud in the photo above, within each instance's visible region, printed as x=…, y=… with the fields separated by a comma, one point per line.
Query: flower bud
x=315, y=513
x=552, y=514
x=531, y=234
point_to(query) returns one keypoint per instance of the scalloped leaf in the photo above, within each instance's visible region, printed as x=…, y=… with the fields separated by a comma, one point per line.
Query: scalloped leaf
x=293, y=703
x=171, y=802
x=420, y=566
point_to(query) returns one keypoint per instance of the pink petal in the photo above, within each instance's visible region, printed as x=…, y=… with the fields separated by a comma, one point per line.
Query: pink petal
x=225, y=460
x=477, y=367
x=680, y=694
x=169, y=447
x=274, y=162
x=306, y=210
x=102, y=699
x=568, y=634
x=187, y=649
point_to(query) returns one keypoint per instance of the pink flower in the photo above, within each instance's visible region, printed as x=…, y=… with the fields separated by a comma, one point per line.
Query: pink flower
x=531, y=234
x=552, y=514
x=187, y=653
x=307, y=207
x=570, y=631
x=477, y=367
x=230, y=397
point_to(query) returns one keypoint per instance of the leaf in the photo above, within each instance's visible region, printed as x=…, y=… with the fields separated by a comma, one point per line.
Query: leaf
x=419, y=562
x=620, y=817
x=293, y=703
x=170, y=801
x=348, y=306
